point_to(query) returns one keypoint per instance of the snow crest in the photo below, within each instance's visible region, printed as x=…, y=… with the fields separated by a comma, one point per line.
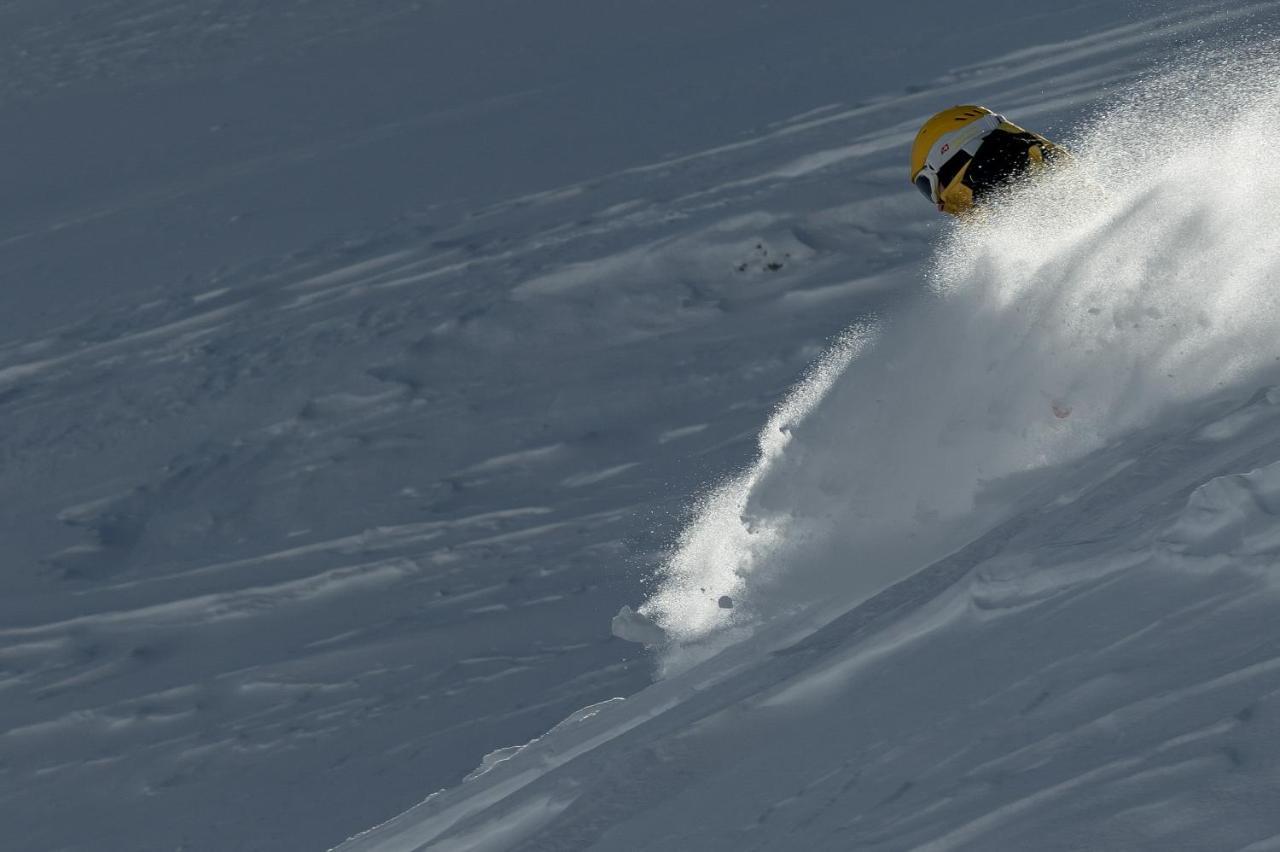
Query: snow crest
x=1141, y=276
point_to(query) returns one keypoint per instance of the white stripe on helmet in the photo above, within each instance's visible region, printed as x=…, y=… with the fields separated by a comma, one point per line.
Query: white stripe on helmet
x=964, y=138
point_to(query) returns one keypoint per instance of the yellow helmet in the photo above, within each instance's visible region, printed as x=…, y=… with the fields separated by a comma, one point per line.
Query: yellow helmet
x=937, y=131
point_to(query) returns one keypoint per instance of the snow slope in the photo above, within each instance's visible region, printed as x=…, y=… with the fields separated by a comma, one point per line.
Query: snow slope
x=356, y=364
x=1002, y=574
x=326, y=452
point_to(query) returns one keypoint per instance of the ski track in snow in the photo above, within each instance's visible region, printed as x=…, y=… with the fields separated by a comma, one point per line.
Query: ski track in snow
x=303, y=518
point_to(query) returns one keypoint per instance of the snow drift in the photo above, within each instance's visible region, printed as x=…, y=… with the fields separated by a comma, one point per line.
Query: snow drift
x=1074, y=310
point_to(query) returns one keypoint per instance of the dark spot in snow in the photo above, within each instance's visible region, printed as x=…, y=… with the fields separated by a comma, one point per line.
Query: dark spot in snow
x=725, y=602
x=144, y=653
x=1036, y=702
x=1233, y=754
x=897, y=794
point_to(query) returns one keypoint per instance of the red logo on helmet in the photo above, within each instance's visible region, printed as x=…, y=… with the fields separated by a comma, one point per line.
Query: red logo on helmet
x=945, y=148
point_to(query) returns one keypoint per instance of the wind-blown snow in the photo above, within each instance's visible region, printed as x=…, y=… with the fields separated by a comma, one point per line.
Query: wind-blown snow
x=1081, y=307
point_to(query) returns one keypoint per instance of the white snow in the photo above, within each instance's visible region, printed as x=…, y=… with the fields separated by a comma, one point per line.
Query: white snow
x=358, y=362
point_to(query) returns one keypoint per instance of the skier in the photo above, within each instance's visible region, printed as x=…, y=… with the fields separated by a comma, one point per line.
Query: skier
x=963, y=154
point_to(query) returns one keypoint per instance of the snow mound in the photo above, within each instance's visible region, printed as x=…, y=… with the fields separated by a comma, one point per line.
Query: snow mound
x=1231, y=515
x=1140, y=277
x=634, y=627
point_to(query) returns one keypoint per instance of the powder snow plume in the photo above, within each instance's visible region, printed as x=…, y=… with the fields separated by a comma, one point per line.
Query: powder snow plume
x=1143, y=276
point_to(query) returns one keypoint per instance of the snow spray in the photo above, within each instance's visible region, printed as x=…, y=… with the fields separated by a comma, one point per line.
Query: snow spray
x=1089, y=302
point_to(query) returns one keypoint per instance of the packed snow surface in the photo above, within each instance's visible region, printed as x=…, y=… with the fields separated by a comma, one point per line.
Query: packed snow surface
x=359, y=362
